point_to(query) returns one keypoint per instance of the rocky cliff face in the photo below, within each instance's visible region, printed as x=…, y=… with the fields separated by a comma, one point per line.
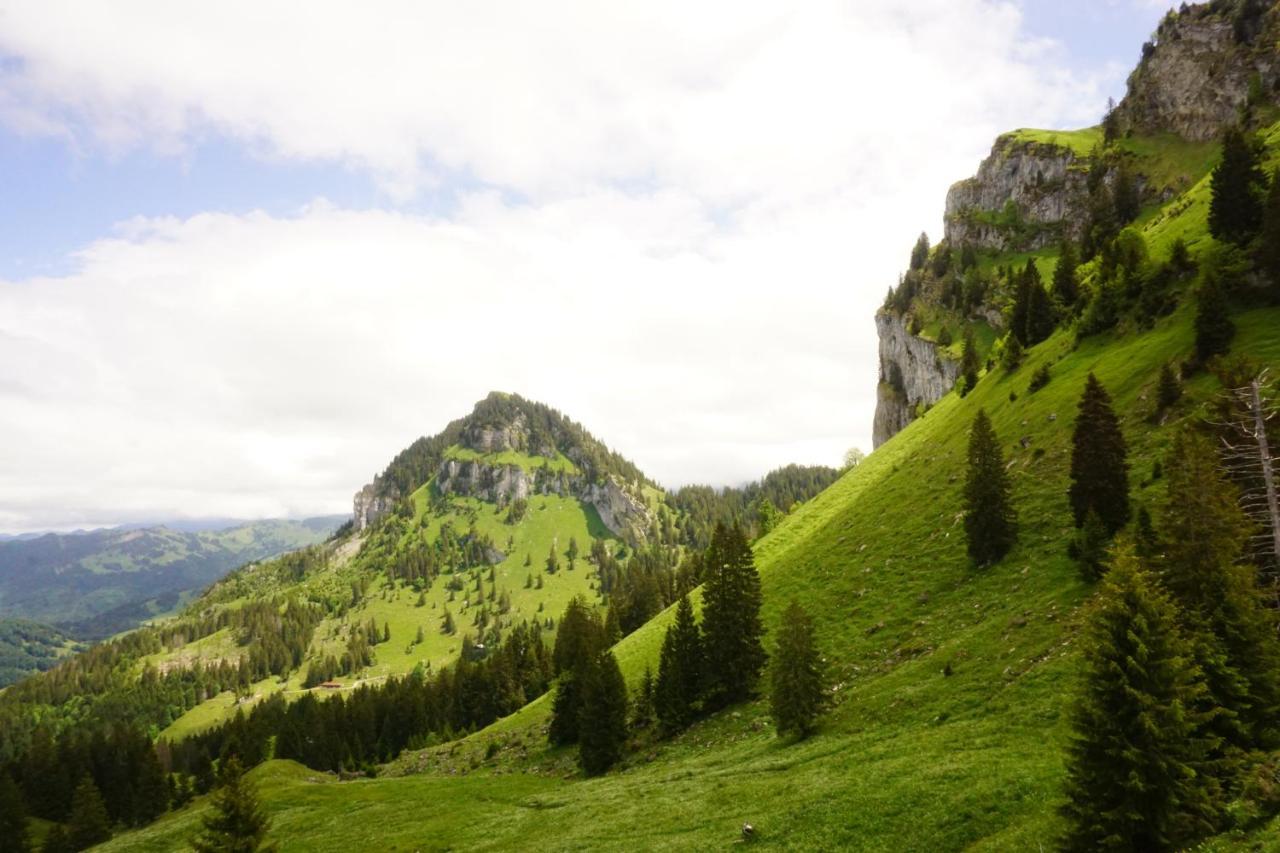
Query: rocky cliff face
x=498, y=484
x=1195, y=76
x=1206, y=65
x=1026, y=195
x=913, y=372
x=621, y=511
x=371, y=503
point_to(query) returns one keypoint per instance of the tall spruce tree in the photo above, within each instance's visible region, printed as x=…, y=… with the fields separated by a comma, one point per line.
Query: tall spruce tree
x=1137, y=770
x=1066, y=286
x=1040, y=322
x=579, y=640
x=643, y=707
x=237, y=823
x=731, y=626
x=798, y=689
x=680, y=671
x=969, y=362
x=1168, y=388
x=1099, y=461
x=13, y=817
x=1269, y=244
x=56, y=841
x=1213, y=326
x=1238, y=184
x=88, y=823
x=1205, y=535
x=990, y=521
x=1021, y=308
x=603, y=728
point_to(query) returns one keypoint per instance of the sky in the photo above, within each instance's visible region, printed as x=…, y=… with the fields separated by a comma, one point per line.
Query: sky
x=247, y=254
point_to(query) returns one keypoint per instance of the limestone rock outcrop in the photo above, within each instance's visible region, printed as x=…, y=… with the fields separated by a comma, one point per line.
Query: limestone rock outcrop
x=913, y=372
x=1026, y=195
x=372, y=503
x=1196, y=74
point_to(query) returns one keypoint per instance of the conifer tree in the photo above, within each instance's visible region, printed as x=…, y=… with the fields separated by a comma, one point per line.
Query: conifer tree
x=920, y=252
x=1205, y=534
x=1214, y=329
x=731, y=625
x=1124, y=195
x=1238, y=183
x=969, y=363
x=1090, y=547
x=13, y=817
x=237, y=823
x=1066, y=288
x=1269, y=244
x=1137, y=774
x=151, y=789
x=1110, y=123
x=798, y=690
x=1040, y=322
x=580, y=637
x=1146, y=541
x=1168, y=388
x=579, y=641
x=680, y=671
x=1099, y=466
x=56, y=841
x=602, y=729
x=566, y=707
x=1011, y=357
x=643, y=708
x=553, y=562
x=88, y=823
x=990, y=522
x=1020, y=310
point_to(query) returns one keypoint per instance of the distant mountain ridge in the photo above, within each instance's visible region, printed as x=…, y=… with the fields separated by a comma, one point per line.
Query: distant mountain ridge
x=96, y=583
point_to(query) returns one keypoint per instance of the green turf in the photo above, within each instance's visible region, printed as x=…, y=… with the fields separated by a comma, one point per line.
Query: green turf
x=514, y=457
x=911, y=757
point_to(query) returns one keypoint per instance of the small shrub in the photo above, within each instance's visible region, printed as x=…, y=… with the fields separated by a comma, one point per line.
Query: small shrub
x=1039, y=379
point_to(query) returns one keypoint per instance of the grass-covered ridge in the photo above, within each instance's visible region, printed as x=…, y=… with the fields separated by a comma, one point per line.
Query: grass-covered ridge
x=952, y=684
x=910, y=758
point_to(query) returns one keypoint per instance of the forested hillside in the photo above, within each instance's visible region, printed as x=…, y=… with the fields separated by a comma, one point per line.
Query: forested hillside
x=436, y=615
x=101, y=582
x=1041, y=614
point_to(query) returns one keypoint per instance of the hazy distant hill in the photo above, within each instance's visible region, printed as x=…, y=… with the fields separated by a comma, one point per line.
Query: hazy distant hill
x=96, y=583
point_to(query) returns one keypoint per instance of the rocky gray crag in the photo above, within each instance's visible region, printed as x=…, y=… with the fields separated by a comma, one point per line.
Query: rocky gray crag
x=1026, y=195
x=616, y=501
x=1206, y=65
x=913, y=372
x=372, y=502
x=1196, y=74
x=619, y=508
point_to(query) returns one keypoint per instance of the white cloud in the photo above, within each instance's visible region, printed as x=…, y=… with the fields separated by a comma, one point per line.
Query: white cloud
x=688, y=215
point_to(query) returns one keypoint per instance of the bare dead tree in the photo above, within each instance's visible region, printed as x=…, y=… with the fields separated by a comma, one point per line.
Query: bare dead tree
x=1246, y=453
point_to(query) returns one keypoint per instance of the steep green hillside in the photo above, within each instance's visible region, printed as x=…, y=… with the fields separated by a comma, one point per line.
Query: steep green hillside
x=513, y=589
x=952, y=684
x=911, y=758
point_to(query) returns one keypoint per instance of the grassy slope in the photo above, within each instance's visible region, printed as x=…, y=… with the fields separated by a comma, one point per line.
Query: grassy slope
x=909, y=759
x=513, y=457
x=549, y=519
